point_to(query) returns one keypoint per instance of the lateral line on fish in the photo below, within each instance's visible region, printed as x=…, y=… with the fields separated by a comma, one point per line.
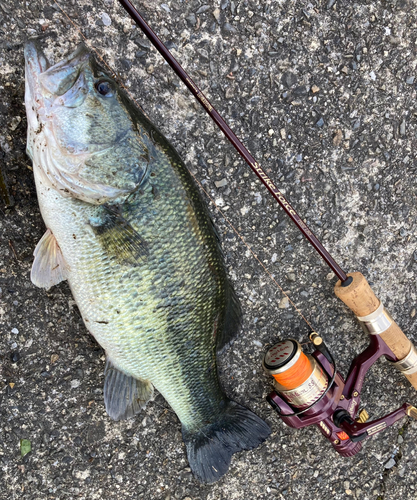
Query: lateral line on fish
x=193, y=176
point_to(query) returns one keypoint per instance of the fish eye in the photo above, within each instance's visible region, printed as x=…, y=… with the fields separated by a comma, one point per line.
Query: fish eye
x=104, y=88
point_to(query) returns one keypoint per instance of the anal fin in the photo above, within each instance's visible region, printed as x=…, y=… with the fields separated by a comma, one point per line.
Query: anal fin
x=124, y=395
x=49, y=267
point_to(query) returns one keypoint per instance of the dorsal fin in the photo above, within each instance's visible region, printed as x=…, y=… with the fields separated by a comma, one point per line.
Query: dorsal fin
x=49, y=267
x=232, y=319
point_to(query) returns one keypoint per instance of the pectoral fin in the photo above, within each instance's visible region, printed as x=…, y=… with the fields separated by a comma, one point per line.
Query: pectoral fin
x=49, y=267
x=118, y=237
x=124, y=395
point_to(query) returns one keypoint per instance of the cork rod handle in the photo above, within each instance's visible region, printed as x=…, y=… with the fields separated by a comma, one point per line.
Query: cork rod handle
x=360, y=298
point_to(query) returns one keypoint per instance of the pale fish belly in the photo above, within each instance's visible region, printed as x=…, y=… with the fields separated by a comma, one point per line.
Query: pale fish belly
x=125, y=307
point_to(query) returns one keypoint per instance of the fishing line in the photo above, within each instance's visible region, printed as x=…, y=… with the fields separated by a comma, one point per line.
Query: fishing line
x=114, y=74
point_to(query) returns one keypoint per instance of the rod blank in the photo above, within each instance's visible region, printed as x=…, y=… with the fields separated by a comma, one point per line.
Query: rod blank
x=240, y=148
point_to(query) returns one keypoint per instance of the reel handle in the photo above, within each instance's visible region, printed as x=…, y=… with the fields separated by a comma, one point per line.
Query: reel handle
x=360, y=298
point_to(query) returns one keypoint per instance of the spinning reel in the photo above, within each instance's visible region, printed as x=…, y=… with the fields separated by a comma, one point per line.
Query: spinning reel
x=310, y=391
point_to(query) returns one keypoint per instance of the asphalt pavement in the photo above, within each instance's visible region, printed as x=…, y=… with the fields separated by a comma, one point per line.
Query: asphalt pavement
x=323, y=94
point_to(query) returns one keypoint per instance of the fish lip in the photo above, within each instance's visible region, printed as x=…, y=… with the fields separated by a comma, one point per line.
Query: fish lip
x=35, y=64
x=45, y=82
x=35, y=59
x=38, y=68
x=60, y=78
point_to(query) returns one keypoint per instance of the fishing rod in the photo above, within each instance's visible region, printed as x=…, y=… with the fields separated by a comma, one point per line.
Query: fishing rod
x=352, y=288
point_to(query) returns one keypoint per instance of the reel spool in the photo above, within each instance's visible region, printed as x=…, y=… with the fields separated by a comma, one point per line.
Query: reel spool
x=310, y=391
x=298, y=377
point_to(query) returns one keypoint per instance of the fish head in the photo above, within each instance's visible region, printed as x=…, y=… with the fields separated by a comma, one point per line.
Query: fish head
x=79, y=115
x=77, y=97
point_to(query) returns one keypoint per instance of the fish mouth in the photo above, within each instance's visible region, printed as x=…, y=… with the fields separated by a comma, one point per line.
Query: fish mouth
x=35, y=59
x=45, y=82
x=35, y=64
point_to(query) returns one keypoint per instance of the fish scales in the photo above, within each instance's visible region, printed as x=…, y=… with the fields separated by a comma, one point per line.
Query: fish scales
x=150, y=325
x=128, y=230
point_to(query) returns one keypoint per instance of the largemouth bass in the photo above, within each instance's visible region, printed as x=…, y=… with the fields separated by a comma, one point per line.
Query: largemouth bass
x=127, y=228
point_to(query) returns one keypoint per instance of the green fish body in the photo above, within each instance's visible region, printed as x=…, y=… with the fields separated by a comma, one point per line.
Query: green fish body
x=128, y=230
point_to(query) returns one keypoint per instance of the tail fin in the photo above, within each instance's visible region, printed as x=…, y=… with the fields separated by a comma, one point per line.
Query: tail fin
x=210, y=448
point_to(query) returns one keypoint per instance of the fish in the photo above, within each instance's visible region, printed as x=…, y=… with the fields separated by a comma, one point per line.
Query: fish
x=129, y=231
